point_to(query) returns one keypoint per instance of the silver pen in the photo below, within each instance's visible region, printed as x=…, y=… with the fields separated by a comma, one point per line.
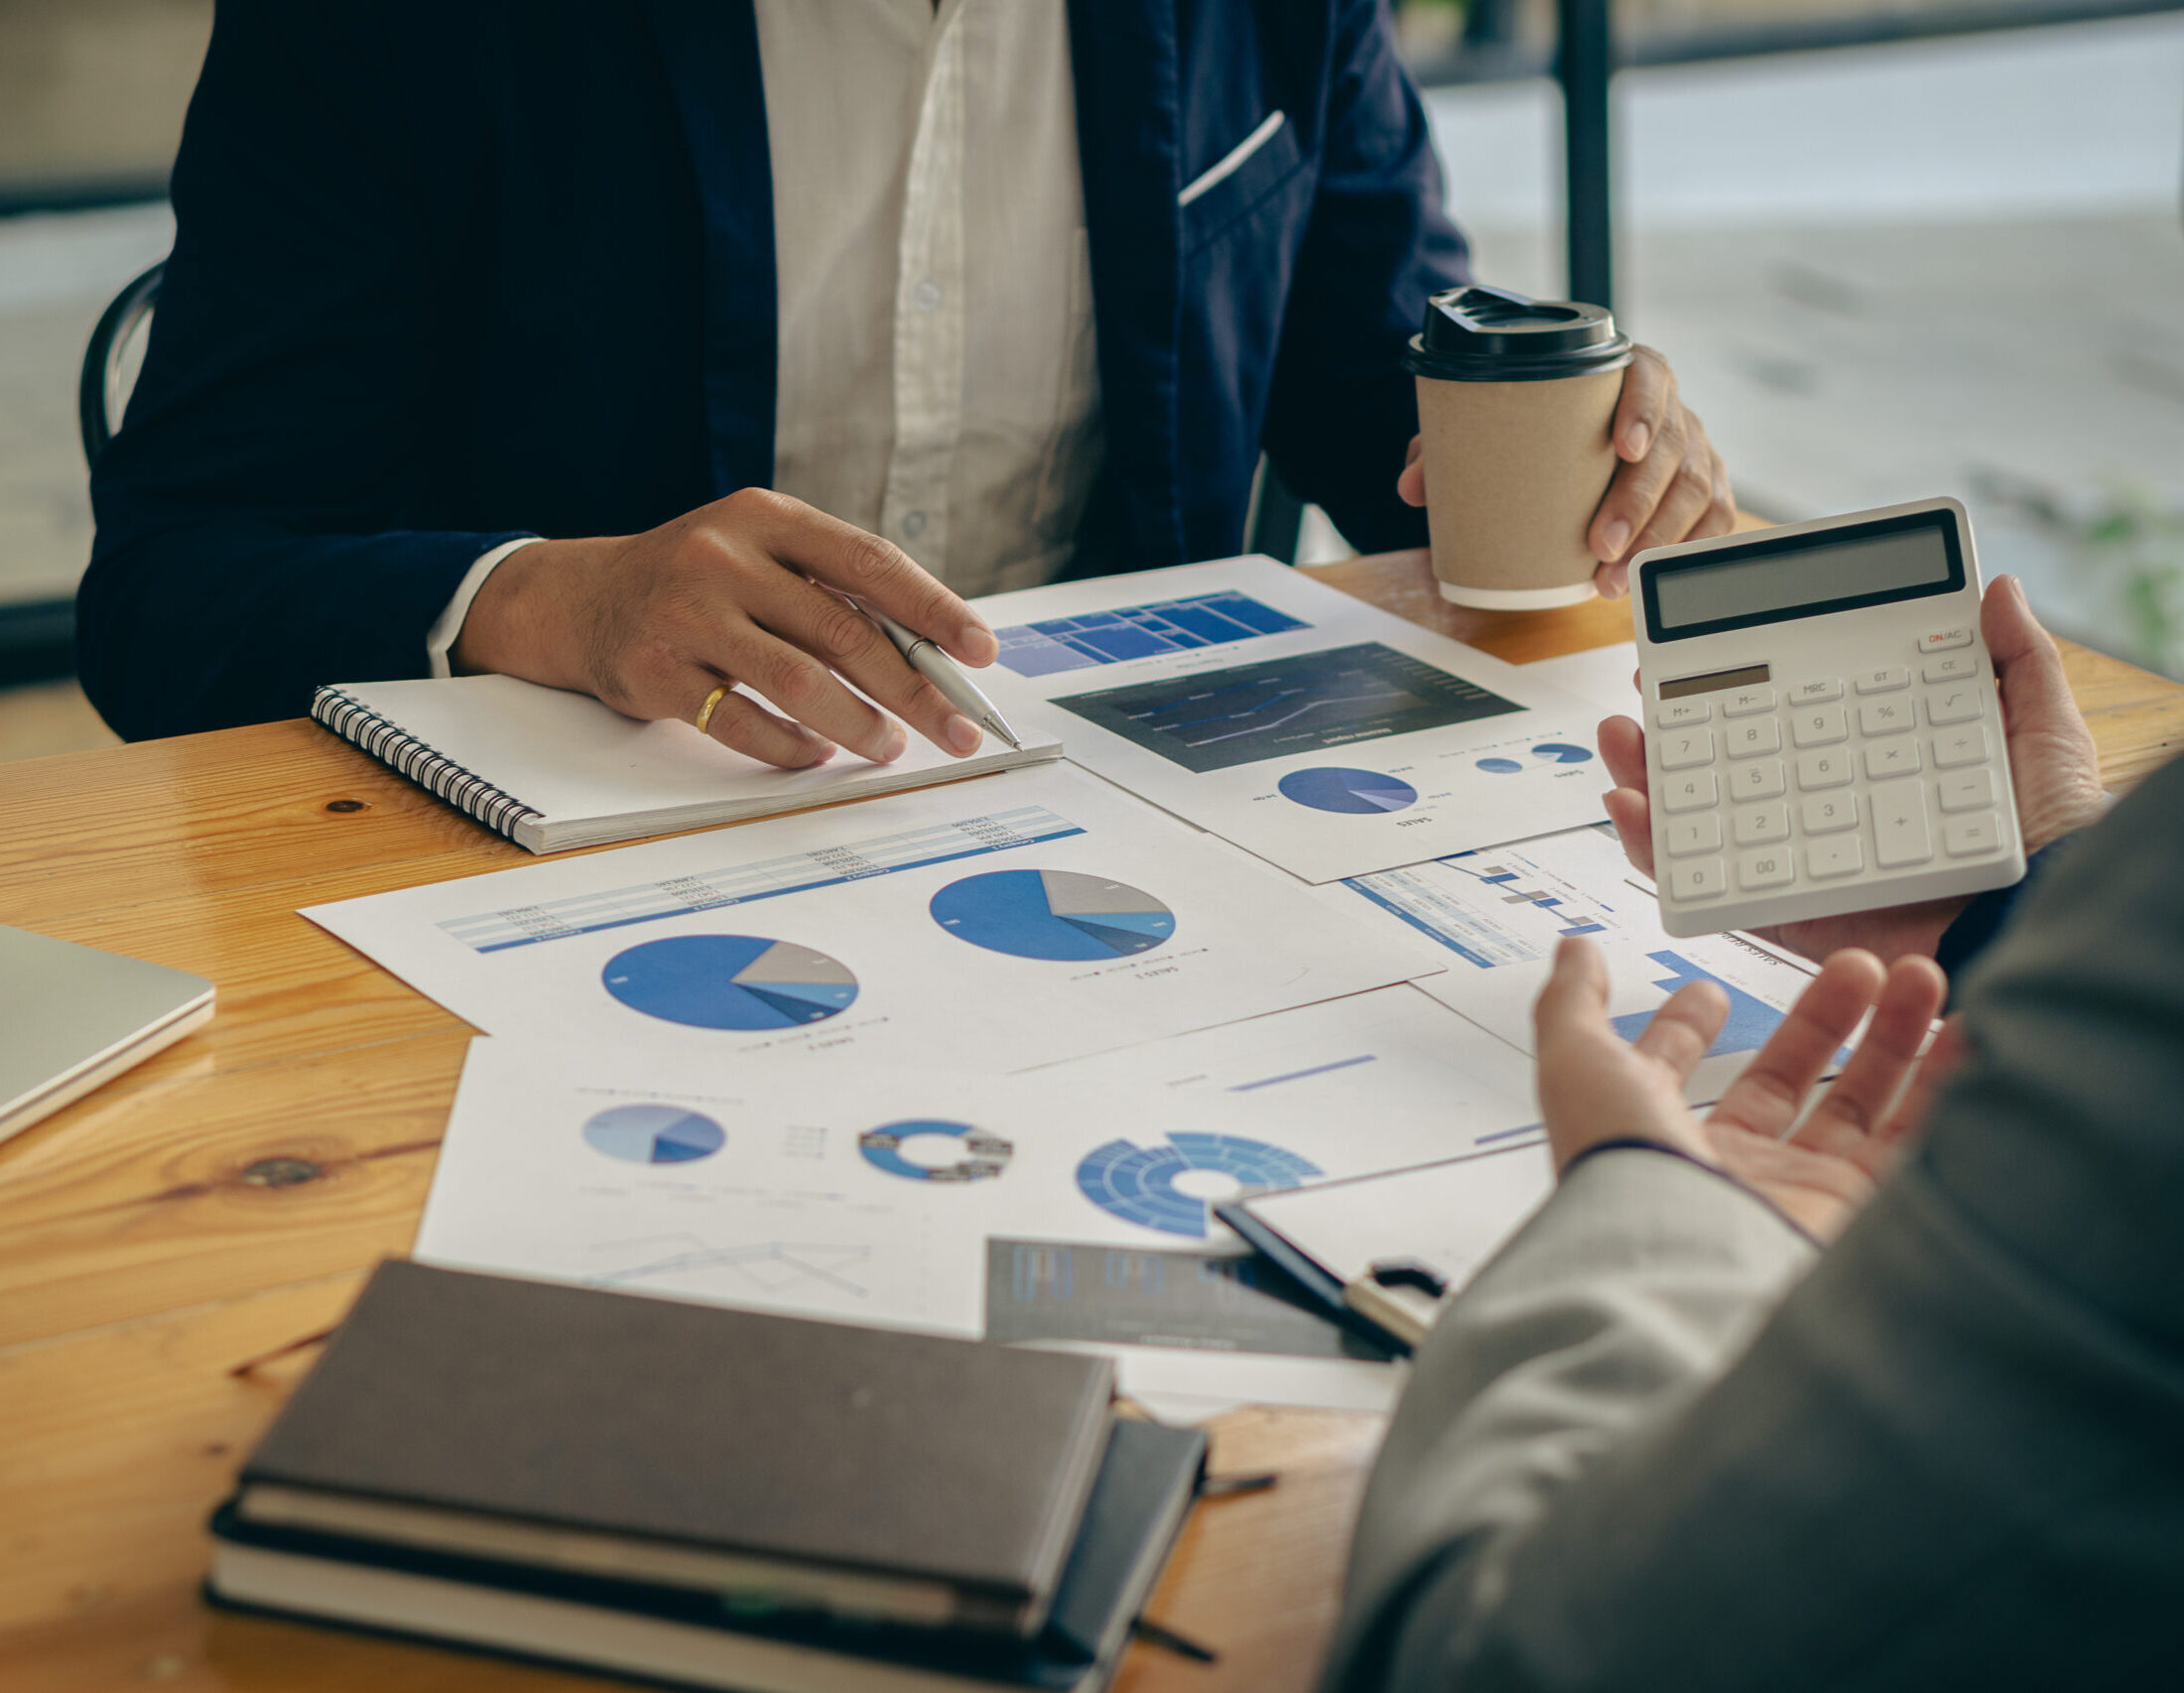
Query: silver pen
x=938, y=669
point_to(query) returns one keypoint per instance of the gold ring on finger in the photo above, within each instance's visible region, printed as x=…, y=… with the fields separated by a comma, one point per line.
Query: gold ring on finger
x=704, y=712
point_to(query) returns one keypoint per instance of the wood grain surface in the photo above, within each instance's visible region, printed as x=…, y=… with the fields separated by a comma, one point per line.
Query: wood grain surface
x=225, y=1198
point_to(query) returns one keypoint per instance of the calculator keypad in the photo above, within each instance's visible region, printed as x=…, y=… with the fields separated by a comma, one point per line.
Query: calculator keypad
x=1824, y=777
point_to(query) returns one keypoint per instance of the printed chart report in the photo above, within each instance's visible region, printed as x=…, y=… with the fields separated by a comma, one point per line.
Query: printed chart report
x=869, y=1193
x=1500, y=914
x=1309, y=728
x=1001, y=924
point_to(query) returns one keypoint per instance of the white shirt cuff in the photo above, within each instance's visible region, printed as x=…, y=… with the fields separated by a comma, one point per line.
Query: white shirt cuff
x=440, y=640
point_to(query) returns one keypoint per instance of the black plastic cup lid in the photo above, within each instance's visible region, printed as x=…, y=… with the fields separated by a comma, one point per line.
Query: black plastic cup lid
x=1491, y=334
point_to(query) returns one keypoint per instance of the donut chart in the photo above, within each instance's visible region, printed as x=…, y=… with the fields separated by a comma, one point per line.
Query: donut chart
x=985, y=1155
x=1138, y=1183
x=653, y=1134
x=731, y=982
x=1336, y=788
x=1057, y=915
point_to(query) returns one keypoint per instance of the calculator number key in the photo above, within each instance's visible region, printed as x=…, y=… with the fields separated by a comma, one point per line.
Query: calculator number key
x=1888, y=716
x=1699, y=879
x=1824, y=814
x=1966, y=790
x=1689, y=835
x=1684, y=749
x=1886, y=680
x=1941, y=640
x=1840, y=856
x=1969, y=837
x=1960, y=705
x=1764, y=869
x=1761, y=781
x=1762, y=826
x=1900, y=832
x=1823, y=771
x=1690, y=793
x=1823, y=727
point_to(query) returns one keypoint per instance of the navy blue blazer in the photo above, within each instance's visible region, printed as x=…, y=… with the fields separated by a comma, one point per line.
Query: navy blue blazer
x=450, y=273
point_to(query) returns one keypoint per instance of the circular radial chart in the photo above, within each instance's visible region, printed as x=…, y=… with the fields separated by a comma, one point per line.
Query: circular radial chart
x=1500, y=766
x=1563, y=753
x=1331, y=787
x=985, y=1155
x=731, y=982
x=1052, y=914
x=653, y=1134
x=1138, y=1183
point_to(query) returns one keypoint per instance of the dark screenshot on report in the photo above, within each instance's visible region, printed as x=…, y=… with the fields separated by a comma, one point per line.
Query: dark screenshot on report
x=1217, y=720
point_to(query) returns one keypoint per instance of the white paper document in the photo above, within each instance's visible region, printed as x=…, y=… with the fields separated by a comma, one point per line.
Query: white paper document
x=1318, y=732
x=1501, y=914
x=1602, y=676
x=1043, y=1210
x=996, y=924
x=1376, y=1081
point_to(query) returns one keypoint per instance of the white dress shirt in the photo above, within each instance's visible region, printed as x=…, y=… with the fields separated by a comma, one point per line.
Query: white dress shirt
x=937, y=379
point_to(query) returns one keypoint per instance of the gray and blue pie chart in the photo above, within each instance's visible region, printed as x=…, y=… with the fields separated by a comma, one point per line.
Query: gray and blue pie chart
x=980, y=1157
x=653, y=1134
x=1057, y=915
x=1331, y=787
x=731, y=982
x=1563, y=753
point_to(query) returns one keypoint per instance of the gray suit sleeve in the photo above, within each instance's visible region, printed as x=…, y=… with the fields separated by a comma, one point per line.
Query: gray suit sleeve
x=1954, y=1456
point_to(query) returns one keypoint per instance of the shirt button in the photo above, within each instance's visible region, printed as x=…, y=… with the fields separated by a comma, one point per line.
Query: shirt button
x=925, y=297
x=913, y=524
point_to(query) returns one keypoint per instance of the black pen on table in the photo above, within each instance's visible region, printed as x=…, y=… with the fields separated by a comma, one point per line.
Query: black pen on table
x=938, y=669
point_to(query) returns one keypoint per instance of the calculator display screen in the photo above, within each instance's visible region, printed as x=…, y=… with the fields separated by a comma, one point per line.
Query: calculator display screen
x=1804, y=576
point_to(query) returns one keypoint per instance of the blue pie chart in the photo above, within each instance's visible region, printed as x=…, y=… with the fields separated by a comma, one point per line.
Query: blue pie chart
x=983, y=1155
x=1563, y=753
x=1057, y=915
x=654, y=1134
x=1500, y=766
x=1331, y=787
x=731, y=982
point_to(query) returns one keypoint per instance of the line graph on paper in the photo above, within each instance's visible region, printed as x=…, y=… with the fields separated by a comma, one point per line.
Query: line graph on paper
x=769, y=1269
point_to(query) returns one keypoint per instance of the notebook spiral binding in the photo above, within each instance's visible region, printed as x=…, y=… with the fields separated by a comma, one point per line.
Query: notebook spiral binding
x=400, y=751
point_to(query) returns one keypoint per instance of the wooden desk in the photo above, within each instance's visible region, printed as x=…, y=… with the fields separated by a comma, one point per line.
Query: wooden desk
x=226, y=1198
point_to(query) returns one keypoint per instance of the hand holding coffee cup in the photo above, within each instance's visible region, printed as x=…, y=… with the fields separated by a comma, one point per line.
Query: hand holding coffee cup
x=1552, y=450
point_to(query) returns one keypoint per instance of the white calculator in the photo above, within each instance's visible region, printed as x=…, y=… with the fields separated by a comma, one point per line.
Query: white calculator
x=1822, y=733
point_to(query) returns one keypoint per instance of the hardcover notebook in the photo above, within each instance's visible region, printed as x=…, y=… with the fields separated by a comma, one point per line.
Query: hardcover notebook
x=553, y=770
x=1145, y=1486
x=817, y=1466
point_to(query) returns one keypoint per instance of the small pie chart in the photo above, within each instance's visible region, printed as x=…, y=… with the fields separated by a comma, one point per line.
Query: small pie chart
x=1500, y=766
x=1060, y=915
x=1331, y=787
x=654, y=1134
x=983, y=1156
x=731, y=982
x=1563, y=753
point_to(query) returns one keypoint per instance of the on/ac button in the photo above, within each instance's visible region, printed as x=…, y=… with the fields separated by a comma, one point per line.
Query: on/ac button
x=1941, y=640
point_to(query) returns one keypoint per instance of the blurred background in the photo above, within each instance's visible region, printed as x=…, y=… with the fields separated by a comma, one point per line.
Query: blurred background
x=1893, y=249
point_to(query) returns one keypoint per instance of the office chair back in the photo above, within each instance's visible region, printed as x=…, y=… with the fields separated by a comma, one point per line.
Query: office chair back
x=112, y=361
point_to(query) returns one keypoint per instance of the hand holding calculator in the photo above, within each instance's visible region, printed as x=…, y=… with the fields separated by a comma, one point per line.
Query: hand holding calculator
x=1823, y=735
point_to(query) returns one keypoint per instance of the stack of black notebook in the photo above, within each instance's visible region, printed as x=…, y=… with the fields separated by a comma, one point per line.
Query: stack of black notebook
x=705, y=1496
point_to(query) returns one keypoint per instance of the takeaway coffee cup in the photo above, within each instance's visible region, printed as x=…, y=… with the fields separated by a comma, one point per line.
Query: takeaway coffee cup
x=1516, y=399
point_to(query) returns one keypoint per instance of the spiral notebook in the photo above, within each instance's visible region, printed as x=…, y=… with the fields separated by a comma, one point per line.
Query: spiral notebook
x=552, y=770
